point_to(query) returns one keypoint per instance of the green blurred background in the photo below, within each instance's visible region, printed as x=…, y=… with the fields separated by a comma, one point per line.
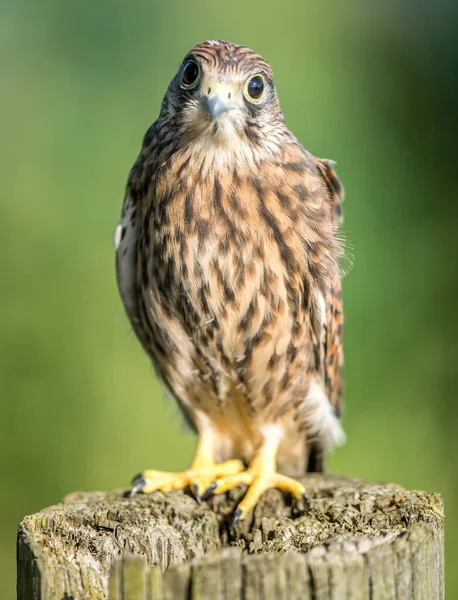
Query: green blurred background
x=372, y=85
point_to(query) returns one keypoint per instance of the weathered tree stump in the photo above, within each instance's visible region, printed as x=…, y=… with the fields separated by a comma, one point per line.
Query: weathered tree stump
x=355, y=540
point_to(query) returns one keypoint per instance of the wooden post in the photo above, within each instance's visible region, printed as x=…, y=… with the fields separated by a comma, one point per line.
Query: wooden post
x=356, y=540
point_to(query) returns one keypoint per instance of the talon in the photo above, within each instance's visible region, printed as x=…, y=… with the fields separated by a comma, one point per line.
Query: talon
x=197, y=496
x=236, y=517
x=209, y=491
x=199, y=477
x=260, y=476
x=136, y=477
x=137, y=487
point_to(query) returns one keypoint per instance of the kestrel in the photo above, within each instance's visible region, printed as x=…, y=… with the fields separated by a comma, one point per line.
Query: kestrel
x=227, y=259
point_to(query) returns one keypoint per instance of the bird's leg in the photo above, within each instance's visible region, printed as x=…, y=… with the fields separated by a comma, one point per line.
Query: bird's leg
x=260, y=476
x=201, y=475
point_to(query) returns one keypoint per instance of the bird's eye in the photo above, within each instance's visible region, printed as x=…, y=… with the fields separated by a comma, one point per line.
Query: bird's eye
x=254, y=88
x=190, y=75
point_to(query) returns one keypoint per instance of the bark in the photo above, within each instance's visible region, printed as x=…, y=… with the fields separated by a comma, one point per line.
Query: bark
x=355, y=540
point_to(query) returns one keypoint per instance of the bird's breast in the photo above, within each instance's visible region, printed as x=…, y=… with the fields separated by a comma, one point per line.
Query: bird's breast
x=216, y=264
x=225, y=280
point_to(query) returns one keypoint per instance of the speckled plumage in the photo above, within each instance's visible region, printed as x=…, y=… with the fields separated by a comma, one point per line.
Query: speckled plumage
x=228, y=266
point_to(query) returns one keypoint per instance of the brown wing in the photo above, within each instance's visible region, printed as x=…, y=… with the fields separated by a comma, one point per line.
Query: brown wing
x=333, y=354
x=327, y=321
x=325, y=167
x=333, y=323
x=126, y=246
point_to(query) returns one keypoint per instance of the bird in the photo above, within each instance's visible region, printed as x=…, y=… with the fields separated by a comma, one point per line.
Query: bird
x=228, y=263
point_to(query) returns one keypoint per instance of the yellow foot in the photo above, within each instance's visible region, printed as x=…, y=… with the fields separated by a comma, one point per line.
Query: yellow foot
x=198, y=478
x=258, y=481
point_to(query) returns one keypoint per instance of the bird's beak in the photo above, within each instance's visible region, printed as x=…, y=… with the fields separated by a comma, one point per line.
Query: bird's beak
x=218, y=98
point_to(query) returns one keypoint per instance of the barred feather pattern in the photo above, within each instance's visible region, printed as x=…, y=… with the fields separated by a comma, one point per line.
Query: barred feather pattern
x=228, y=266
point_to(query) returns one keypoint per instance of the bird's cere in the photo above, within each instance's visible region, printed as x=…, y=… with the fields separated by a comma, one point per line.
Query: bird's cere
x=218, y=99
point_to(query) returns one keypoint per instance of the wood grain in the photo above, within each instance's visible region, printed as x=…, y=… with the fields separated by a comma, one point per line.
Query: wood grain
x=356, y=540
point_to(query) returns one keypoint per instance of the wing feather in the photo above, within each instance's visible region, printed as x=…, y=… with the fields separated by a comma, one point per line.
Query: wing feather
x=126, y=240
x=332, y=321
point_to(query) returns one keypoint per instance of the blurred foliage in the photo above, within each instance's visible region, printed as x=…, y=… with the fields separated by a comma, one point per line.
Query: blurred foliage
x=370, y=84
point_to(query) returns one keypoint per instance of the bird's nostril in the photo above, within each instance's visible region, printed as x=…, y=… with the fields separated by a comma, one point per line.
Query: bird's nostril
x=229, y=96
x=208, y=91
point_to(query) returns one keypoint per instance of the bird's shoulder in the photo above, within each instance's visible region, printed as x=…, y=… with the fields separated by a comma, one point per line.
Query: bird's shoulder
x=318, y=173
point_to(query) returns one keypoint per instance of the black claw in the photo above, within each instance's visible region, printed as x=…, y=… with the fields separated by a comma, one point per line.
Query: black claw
x=236, y=517
x=209, y=491
x=195, y=490
x=136, y=477
x=137, y=487
x=305, y=497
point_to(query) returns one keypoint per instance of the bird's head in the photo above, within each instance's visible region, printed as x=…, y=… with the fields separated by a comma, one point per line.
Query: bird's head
x=223, y=96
